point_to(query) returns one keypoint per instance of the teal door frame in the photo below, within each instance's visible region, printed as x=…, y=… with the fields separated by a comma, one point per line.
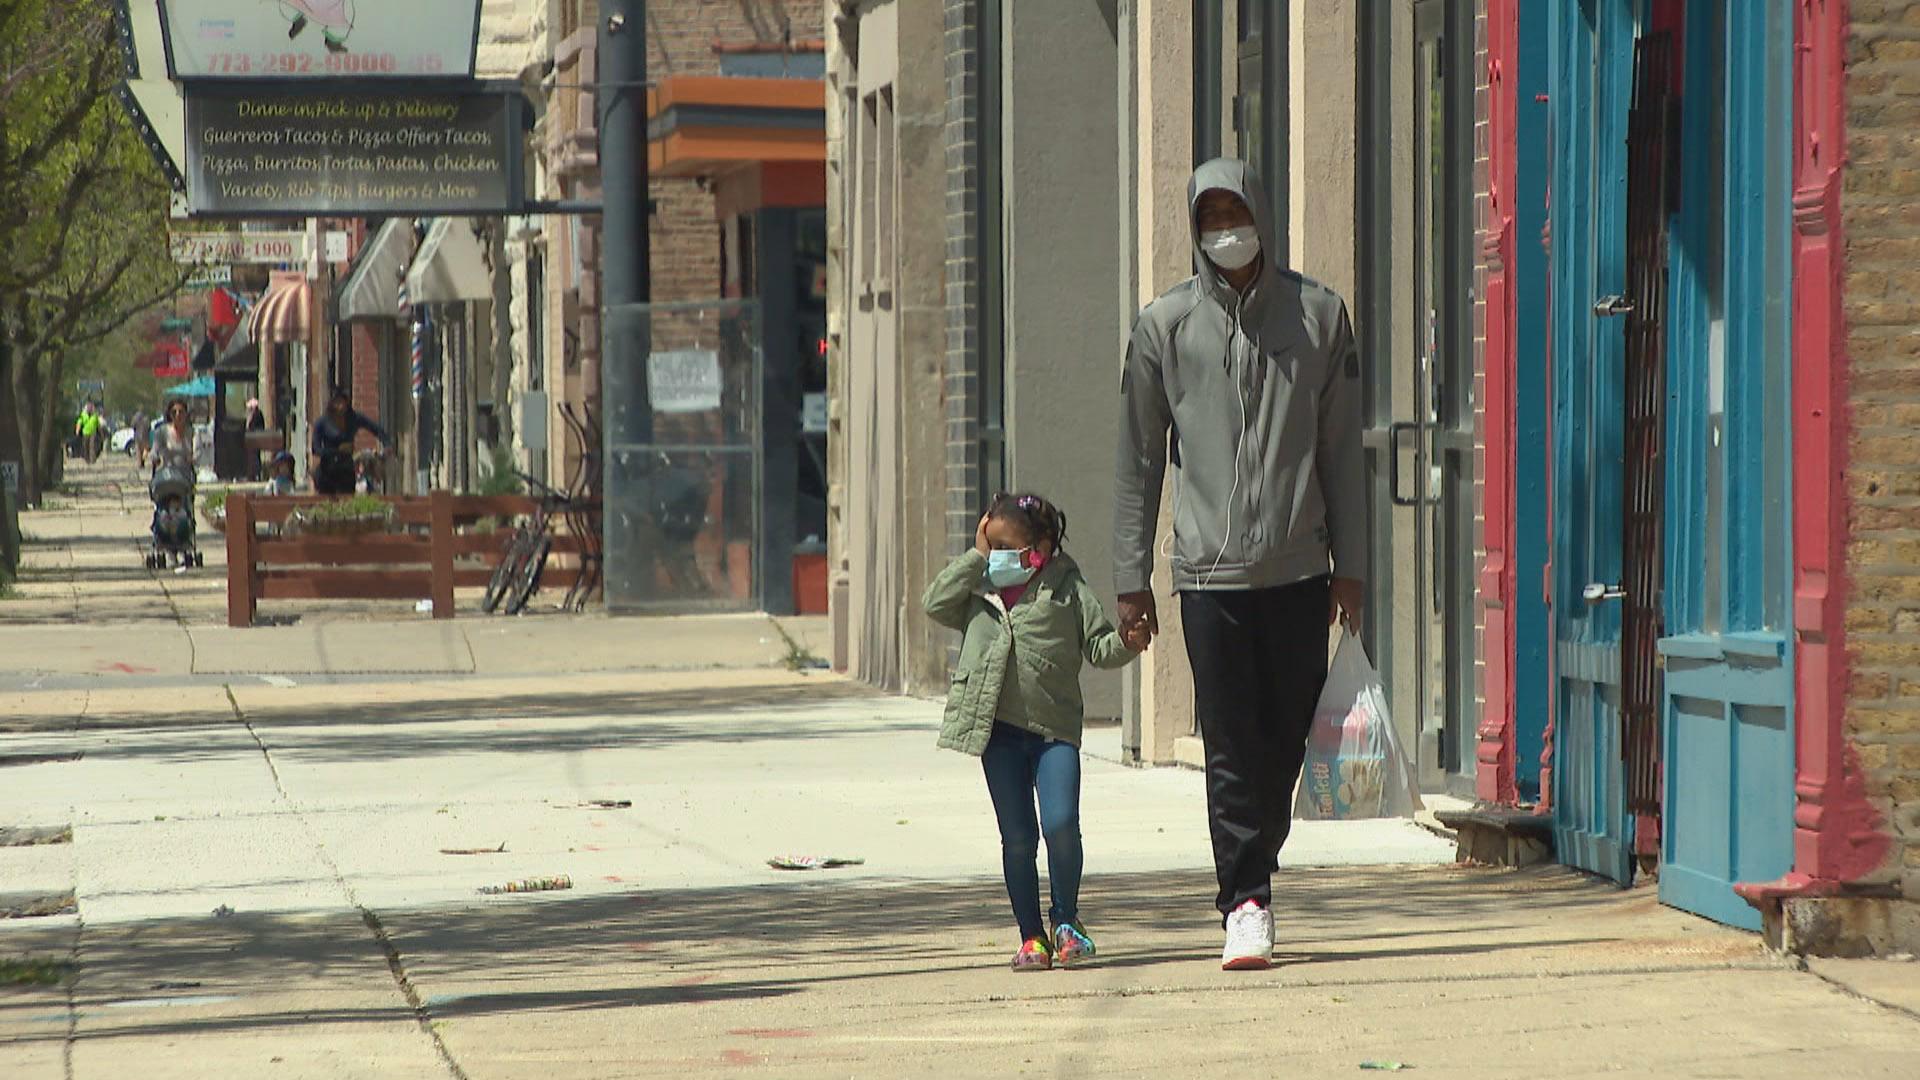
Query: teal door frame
x=1727, y=718
x=1590, y=71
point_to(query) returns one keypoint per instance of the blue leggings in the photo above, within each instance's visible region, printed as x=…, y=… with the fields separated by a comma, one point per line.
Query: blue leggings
x=1019, y=764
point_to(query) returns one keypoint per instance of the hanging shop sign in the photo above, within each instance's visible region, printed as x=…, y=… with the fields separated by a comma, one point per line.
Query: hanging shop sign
x=209, y=277
x=238, y=248
x=417, y=149
x=317, y=39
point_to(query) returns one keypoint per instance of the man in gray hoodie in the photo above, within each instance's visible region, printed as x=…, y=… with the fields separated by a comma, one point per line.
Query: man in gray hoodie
x=1253, y=370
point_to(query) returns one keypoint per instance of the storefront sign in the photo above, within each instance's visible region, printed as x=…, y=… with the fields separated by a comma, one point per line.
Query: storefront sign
x=238, y=248
x=683, y=381
x=317, y=39
x=210, y=277
x=307, y=151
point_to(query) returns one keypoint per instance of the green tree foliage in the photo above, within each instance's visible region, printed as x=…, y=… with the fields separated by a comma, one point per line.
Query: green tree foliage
x=83, y=218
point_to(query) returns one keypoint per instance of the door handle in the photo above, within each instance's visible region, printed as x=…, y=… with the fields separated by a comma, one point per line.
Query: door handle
x=1596, y=592
x=1393, y=462
x=1613, y=305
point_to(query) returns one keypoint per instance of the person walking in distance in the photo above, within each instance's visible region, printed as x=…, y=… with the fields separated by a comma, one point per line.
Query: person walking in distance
x=87, y=427
x=1253, y=371
x=142, y=437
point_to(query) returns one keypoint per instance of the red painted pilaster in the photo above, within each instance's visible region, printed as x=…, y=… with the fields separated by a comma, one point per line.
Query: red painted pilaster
x=1835, y=838
x=1494, y=779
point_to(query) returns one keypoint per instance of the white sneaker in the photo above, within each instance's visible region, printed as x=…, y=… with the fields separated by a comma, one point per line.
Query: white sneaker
x=1249, y=939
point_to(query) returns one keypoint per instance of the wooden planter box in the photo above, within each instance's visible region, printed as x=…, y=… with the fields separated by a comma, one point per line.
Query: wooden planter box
x=420, y=550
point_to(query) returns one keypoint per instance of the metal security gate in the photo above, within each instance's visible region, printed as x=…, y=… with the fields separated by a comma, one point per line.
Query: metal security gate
x=1649, y=126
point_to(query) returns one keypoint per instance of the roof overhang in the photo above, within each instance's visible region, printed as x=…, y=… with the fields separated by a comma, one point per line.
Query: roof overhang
x=372, y=289
x=451, y=265
x=706, y=125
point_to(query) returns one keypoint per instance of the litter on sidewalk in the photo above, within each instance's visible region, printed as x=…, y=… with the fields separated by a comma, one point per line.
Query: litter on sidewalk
x=538, y=884
x=811, y=862
x=473, y=850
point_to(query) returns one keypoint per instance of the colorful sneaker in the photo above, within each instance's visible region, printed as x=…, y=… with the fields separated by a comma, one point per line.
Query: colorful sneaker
x=1071, y=944
x=1249, y=939
x=1034, y=955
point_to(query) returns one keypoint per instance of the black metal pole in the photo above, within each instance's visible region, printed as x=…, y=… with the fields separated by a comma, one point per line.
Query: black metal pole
x=625, y=262
x=1209, y=26
x=616, y=383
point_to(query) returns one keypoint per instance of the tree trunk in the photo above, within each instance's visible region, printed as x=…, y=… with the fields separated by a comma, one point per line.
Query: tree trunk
x=10, y=441
x=53, y=458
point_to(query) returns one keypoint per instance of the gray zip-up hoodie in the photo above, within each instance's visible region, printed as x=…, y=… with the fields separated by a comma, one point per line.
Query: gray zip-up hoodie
x=1262, y=395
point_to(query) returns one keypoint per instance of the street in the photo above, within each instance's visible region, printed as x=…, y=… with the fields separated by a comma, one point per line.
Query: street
x=278, y=838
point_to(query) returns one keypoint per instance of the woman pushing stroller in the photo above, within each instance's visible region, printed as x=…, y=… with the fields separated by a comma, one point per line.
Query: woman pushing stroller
x=334, y=469
x=174, y=470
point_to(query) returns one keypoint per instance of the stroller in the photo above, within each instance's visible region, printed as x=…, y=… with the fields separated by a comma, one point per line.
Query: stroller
x=174, y=533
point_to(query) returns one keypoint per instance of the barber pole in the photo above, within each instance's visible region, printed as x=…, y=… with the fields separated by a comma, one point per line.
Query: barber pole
x=418, y=328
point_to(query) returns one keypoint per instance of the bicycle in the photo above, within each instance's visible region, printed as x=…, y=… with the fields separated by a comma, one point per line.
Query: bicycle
x=517, y=575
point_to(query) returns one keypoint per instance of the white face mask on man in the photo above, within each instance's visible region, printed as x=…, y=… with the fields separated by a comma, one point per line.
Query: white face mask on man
x=1231, y=249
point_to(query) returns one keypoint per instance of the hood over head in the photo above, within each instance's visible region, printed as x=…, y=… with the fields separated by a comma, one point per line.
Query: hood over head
x=1238, y=177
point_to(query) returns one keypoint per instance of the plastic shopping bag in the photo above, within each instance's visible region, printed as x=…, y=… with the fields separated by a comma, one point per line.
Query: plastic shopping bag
x=1355, y=767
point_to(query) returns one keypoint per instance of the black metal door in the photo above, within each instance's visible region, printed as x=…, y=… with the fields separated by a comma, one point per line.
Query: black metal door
x=1649, y=167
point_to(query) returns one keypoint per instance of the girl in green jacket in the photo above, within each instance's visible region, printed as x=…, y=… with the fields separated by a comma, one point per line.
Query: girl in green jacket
x=1030, y=621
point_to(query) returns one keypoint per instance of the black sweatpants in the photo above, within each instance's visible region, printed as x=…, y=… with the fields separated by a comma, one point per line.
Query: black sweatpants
x=1259, y=661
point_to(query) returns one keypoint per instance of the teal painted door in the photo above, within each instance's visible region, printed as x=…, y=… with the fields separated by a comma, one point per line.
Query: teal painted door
x=1590, y=72
x=1728, y=787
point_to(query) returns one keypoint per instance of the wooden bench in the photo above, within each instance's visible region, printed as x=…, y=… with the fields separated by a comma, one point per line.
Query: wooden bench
x=431, y=548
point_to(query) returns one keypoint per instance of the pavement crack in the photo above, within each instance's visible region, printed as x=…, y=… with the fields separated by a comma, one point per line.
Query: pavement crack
x=396, y=964
x=1859, y=995
x=73, y=963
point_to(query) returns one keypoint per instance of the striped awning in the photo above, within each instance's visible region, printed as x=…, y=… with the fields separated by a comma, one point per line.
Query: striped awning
x=284, y=314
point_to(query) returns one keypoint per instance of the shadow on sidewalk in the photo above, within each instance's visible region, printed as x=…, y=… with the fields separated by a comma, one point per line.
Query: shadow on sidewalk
x=647, y=949
x=635, y=719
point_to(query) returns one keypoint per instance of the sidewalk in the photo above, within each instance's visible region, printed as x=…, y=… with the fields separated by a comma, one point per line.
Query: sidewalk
x=82, y=574
x=279, y=877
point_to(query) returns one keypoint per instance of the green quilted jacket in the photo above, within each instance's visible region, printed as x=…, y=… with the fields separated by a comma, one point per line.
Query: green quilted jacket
x=1020, y=665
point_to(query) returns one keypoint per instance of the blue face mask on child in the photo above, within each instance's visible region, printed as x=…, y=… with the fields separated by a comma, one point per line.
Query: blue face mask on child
x=1007, y=569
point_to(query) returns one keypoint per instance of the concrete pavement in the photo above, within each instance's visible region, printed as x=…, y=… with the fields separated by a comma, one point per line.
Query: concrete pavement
x=267, y=885
x=82, y=575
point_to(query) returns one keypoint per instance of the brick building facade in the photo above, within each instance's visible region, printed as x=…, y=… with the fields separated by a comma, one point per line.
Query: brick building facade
x=1880, y=224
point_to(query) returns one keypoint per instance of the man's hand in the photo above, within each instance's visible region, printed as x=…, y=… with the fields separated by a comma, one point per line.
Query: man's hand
x=1347, y=602
x=1138, y=619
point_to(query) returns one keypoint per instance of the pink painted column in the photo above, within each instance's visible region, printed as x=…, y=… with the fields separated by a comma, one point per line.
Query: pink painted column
x=1835, y=834
x=1494, y=779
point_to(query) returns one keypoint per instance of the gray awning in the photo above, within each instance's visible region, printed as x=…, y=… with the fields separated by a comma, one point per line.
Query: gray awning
x=372, y=289
x=451, y=266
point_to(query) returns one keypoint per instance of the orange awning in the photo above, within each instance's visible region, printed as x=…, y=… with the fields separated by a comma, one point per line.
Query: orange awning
x=703, y=125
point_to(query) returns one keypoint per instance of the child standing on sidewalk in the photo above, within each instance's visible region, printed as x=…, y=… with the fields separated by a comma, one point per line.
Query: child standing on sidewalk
x=1030, y=621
